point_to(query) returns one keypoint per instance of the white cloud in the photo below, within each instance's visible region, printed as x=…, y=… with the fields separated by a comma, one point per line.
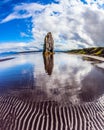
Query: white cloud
x=18, y=47
x=15, y=15
x=23, y=34
x=72, y=23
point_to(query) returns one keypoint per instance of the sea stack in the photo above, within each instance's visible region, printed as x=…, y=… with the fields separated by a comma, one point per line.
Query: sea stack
x=48, y=44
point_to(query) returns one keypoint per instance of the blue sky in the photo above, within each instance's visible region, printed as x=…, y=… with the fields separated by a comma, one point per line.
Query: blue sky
x=73, y=23
x=12, y=31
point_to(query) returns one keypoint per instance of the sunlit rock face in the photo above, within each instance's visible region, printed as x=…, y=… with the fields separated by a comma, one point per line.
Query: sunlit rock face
x=48, y=43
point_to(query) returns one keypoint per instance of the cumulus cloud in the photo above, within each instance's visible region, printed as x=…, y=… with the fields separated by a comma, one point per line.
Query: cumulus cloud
x=72, y=23
x=18, y=47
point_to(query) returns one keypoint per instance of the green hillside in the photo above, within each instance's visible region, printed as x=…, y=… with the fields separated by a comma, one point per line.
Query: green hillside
x=97, y=51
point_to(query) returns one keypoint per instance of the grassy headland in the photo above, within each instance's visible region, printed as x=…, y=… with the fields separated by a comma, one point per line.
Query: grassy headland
x=96, y=51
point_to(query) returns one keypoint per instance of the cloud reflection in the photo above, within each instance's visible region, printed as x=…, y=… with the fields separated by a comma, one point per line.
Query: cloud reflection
x=61, y=77
x=65, y=81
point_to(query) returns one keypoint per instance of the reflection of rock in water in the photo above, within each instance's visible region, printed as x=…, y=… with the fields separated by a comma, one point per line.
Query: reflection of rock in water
x=48, y=63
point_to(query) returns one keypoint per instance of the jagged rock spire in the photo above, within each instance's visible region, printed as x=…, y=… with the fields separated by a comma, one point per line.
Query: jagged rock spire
x=48, y=43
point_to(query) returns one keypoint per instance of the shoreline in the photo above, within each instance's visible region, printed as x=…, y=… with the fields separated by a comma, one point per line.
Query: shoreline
x=5, y=59
x=90, y=56
x=99, y=65
x=100, y=59
x=94, y=57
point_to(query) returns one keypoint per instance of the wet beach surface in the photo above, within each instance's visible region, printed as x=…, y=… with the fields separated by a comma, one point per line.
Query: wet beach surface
x=53, y=92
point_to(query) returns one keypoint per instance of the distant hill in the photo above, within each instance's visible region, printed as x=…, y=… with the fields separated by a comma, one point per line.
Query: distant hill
x=97, y=51
x=3, y=54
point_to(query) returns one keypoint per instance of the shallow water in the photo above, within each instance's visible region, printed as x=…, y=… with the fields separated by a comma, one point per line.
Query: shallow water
x=65, y=78
x=54, y=92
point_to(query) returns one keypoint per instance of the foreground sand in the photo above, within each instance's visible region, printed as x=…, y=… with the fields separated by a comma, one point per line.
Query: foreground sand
x=18, y=113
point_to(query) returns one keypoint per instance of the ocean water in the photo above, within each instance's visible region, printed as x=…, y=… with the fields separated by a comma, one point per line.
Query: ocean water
x=60, y=77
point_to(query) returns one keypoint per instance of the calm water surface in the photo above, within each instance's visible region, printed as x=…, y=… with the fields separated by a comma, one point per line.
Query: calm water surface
x=62, y=77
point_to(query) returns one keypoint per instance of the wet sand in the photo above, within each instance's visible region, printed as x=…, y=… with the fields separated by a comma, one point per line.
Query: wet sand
x=18, y=113
x=95, y=57
x=5, y=59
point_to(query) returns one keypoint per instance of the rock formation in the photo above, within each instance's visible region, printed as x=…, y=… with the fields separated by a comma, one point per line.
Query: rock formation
x=48, y=44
